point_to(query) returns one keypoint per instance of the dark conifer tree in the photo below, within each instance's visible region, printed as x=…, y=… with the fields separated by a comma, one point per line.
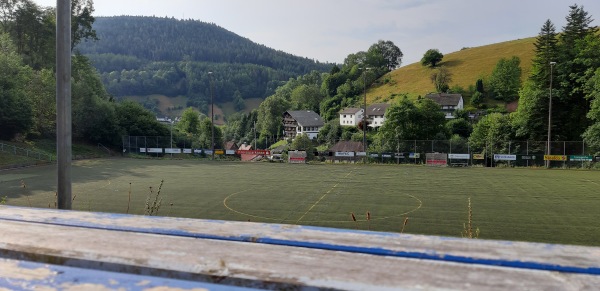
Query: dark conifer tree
x=569, y=76
x=545, y=52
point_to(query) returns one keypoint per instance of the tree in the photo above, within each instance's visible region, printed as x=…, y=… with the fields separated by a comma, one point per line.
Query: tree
x=505, y=80
x=432, y=57
x=591, y=135
x=82, y=21
x=390, y=53
x=7, y=14
x=441, y=78
x=205, y=136
x=238, y=101
x=531, y=118
x=330, y=133
x=306, y=97
x=407, y=121
x=189, y=122
x=477, y=99
x=15, y=108
x=431, y=119
x=133, y=119
x=460, y=127
x=270, y=115
x=42, y=92
x=303, y=143
x=33, y=34
x=94, y=115
x=578, y=59
x=479, y=86
x=492, y=133
x=545, y=52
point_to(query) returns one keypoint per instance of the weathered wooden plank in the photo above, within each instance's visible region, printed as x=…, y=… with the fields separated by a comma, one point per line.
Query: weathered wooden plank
x=562, y=258
x=87, y=240
x=259, y=265
x=24, y=275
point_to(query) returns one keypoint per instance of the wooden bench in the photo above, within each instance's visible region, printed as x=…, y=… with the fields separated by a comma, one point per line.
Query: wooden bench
x=42, y=247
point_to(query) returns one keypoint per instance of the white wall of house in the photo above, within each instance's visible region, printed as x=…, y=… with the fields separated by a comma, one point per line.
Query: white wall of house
x=376, y=120
x=310, y=131
x=447, y=108
x=351, y=119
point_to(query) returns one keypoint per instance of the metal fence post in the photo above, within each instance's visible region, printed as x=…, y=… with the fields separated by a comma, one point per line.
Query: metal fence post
x=564, y=153
x=527, y=151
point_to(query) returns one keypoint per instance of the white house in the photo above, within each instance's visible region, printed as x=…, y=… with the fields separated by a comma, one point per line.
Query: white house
x=302, y=122
x=448, y=102
x=351, y=116
x=376, y=114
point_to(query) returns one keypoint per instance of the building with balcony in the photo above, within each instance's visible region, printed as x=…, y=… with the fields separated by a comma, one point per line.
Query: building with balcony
x=302, y=122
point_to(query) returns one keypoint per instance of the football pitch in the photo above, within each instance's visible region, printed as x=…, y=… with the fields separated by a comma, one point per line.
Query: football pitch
x=554, y=206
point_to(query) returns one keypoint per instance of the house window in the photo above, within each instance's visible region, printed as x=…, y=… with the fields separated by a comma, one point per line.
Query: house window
x=344, y=115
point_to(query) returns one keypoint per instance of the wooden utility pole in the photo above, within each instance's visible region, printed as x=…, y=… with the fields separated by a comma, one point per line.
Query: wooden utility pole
x=63, y=102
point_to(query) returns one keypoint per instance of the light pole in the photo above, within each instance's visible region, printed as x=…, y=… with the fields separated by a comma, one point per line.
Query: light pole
x=550, y=114
x=171, y=149
x=364, y=123
x=212, y=117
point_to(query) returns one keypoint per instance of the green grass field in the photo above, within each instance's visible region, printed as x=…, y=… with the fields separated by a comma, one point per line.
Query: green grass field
x=556, y=206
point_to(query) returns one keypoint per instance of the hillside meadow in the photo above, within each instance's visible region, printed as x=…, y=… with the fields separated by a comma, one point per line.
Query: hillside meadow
x=466, y=66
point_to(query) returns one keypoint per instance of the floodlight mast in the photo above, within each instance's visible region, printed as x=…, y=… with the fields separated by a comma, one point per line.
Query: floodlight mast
x=212, y=117
x=549, y=116
x=364, y=119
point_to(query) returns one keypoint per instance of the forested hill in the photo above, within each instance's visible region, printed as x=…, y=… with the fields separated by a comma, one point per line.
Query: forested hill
x=151, y=55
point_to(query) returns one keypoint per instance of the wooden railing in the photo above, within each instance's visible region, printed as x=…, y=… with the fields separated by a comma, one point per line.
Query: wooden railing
x=64, y=249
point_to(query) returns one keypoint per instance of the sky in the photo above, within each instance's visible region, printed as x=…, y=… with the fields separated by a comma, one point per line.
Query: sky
x=330, y=30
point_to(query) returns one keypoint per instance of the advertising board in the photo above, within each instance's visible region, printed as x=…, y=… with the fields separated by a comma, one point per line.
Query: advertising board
x=172, y=151
x=459, y=156
x=580, y=158
x=500, y=157
x=555, y=158
x=478, y=157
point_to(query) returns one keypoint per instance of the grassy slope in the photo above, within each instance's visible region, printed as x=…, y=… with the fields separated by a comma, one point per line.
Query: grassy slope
x=557, y=206
x=466, y=66
x=251, y=103
x=48, y=147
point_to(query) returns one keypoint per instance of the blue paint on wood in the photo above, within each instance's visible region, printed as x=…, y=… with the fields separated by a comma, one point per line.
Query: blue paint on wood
x=60, y=277
x=593, y=270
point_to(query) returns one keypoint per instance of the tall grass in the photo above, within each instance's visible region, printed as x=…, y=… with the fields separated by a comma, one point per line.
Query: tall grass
x=153, y=202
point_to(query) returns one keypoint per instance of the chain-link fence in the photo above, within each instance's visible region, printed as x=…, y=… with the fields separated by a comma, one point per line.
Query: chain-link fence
x=511, y=153
x=573, y=154
x=156, y=146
